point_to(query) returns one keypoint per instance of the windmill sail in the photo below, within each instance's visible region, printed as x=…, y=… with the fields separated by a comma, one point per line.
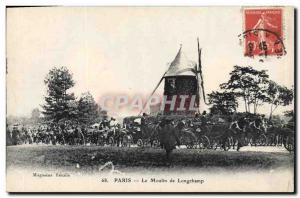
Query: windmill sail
x=200, y=74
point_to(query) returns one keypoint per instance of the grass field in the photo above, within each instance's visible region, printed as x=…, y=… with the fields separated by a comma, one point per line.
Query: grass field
x=89, y=157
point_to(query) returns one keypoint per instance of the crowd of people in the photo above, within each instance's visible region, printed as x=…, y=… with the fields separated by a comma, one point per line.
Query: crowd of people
x=68, y=133
x=149, y=129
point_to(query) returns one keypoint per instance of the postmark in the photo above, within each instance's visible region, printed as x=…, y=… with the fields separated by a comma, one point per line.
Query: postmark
x=263, y=33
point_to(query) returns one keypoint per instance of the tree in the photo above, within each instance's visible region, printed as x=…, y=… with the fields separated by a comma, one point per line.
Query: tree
x=87, y=109
x=289, y=113
x=223, y=102
x=35, y=114
x=291, y=122
x=102, y=114
x=59, y=104
x=278, y=96
x=249, y=84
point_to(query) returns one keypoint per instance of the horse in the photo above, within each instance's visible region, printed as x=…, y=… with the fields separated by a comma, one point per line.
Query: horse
x=238, y=132
x=256, y=133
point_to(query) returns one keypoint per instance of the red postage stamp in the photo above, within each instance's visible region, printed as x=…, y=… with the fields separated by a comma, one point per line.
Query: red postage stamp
x=263, y=33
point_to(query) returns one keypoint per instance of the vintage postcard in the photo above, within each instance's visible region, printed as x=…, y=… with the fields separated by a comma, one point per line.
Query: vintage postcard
x=150, y=99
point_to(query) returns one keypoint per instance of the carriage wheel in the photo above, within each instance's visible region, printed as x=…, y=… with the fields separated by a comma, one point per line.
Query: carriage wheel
x=155, y=143
x=204, y=142
x=111, y=141
x=262, y=140
x=140, y=143
x=289, y=143
x=188, y=142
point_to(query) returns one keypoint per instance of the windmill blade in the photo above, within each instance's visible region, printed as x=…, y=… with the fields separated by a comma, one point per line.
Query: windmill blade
x=198, y=95
x=153, y=92
x=200, y=73
x=197, y=74
x=202, y=87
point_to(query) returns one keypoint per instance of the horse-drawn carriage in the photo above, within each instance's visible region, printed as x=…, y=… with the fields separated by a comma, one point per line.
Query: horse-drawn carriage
x=216, y=135
x=190, y=131
x=142, y=134
x=208, y=135
x=217, y=132
x=202, y=132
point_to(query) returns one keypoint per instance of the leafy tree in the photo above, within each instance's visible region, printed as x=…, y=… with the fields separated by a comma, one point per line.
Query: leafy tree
x=249, y=84
x=59, y=103
x=289, y=113
x=102, y=114
x=35, y=114
x=278, y=96
x=223, y=102
x=87, y=109
x=291, y=121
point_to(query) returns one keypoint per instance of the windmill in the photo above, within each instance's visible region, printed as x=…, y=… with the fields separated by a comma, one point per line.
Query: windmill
x=183, y=78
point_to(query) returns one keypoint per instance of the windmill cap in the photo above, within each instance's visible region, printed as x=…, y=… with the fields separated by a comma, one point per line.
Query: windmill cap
x=181, y=66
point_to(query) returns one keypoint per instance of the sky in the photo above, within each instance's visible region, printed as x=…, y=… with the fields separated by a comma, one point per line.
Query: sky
x=125, y=50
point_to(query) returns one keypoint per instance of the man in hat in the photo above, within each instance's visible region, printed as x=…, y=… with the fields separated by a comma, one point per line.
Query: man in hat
x=143, y=123
x=15, y=135
x=168, y=136
x=8, y=136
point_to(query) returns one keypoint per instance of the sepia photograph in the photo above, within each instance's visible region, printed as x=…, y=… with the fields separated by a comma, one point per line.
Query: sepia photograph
x=150, y=99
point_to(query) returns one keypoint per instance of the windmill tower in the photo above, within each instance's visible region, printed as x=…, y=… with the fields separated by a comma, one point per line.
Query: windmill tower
x=181, y=82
